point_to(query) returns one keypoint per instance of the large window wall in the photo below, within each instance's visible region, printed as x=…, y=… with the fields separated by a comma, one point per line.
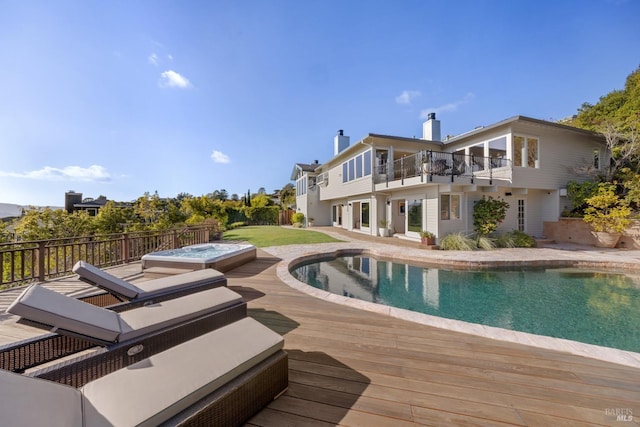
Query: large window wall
x=357, y=167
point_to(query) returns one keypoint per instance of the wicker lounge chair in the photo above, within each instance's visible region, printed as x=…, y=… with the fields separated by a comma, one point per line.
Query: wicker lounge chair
x=133, y=334
x=224, y=387
x=123, y=295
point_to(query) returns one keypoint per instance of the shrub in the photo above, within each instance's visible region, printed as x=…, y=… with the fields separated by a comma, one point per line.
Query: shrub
x=485, y=243
x=457, y=242
x=236, y=225
x=523, y=240
x=297, y=217
x=606, y=211
x=505, y=241
x=297, y=225
x=488, y=214
x=578, y=193
x=516, y=239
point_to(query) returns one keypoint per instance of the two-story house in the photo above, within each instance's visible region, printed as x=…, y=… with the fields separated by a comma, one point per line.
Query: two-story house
x=429, y=184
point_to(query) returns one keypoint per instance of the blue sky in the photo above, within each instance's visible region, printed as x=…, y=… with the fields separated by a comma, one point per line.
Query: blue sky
x=119, y=98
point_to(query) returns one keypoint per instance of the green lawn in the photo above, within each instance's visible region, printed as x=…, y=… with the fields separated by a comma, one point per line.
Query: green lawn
x=267, y=235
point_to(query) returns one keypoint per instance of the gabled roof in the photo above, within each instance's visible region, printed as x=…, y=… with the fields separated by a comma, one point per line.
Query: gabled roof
x=514, y=119
x=303, y=167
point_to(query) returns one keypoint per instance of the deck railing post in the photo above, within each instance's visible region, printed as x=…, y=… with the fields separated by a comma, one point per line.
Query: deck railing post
x=41, y=255
x=125, y=248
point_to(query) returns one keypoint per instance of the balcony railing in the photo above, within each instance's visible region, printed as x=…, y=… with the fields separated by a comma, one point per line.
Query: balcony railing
x=25, y=262
x=427, y=164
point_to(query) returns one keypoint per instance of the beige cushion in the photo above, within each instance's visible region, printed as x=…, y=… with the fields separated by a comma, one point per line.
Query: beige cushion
x=51, y=308
x=161, y=386
x=154, y=317
x=26, y=401
x=171, y=283
x=100, y=278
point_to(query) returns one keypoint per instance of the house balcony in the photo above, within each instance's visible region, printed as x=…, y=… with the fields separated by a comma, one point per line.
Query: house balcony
x=441, y=167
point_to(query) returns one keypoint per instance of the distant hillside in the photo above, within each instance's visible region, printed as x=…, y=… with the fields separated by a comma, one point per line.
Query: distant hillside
x=8, y=209
x=11, y=210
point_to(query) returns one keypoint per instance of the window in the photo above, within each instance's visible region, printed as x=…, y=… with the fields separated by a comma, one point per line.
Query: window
x=415, y=216
x=449, y=206
x=367, y=163
x=301, y=186
x=525, y=152
x=596, y=159
x=365, y=214
x=498, y=152
x=477, y=154
x=532, y=152
x=521, y=215
x=357, y=167
x=498, y=148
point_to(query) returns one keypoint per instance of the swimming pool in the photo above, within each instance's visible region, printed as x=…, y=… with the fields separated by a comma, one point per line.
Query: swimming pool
x=589, y=306
x=220, y=256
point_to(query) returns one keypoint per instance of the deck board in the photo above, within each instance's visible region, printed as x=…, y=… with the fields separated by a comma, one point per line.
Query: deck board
x=353, y=367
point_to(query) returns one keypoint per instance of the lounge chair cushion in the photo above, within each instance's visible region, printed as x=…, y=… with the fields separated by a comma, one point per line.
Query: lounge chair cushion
x=163, y=285
x=100, y=278
x=62, y=312
x=161, y=386
x=153, y=317
x=26, y=401
x=48, y=307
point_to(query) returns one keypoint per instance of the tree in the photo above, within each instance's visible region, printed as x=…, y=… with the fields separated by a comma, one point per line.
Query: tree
x=624, y=147
x=488, y=214
x=52, y=224
x=619, y=108
x=110, y=219
x=261, y=200
x=288, y=195
x=220, y=194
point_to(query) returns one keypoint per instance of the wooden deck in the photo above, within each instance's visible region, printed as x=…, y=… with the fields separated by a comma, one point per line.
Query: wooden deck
x=357, y=368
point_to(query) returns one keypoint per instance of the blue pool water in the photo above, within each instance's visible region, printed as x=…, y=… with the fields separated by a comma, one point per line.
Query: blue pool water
x=589, y=306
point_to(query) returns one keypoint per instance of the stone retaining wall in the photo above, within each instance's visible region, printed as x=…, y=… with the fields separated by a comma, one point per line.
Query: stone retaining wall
x=575, y=230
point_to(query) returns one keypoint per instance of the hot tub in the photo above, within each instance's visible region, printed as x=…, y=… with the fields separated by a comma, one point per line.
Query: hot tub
x=220, y=256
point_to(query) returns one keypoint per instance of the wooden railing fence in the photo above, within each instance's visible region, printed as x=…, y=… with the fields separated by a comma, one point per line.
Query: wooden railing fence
x=25, y=262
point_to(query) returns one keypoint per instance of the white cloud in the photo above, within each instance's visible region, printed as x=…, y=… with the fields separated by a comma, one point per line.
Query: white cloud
x=407, y=96
x=172, y=79
x=220, y=157
x=451, y=106
x=170, y=57
x=153, y=59
x=69, y=173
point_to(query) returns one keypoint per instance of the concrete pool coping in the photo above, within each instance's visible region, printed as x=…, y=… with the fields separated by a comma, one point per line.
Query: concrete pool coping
x=586, y=257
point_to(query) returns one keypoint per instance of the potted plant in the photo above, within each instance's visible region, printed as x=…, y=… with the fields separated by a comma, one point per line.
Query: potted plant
x=427, y=238
x=310, y=222
x=607, y=215
x=383, y=230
